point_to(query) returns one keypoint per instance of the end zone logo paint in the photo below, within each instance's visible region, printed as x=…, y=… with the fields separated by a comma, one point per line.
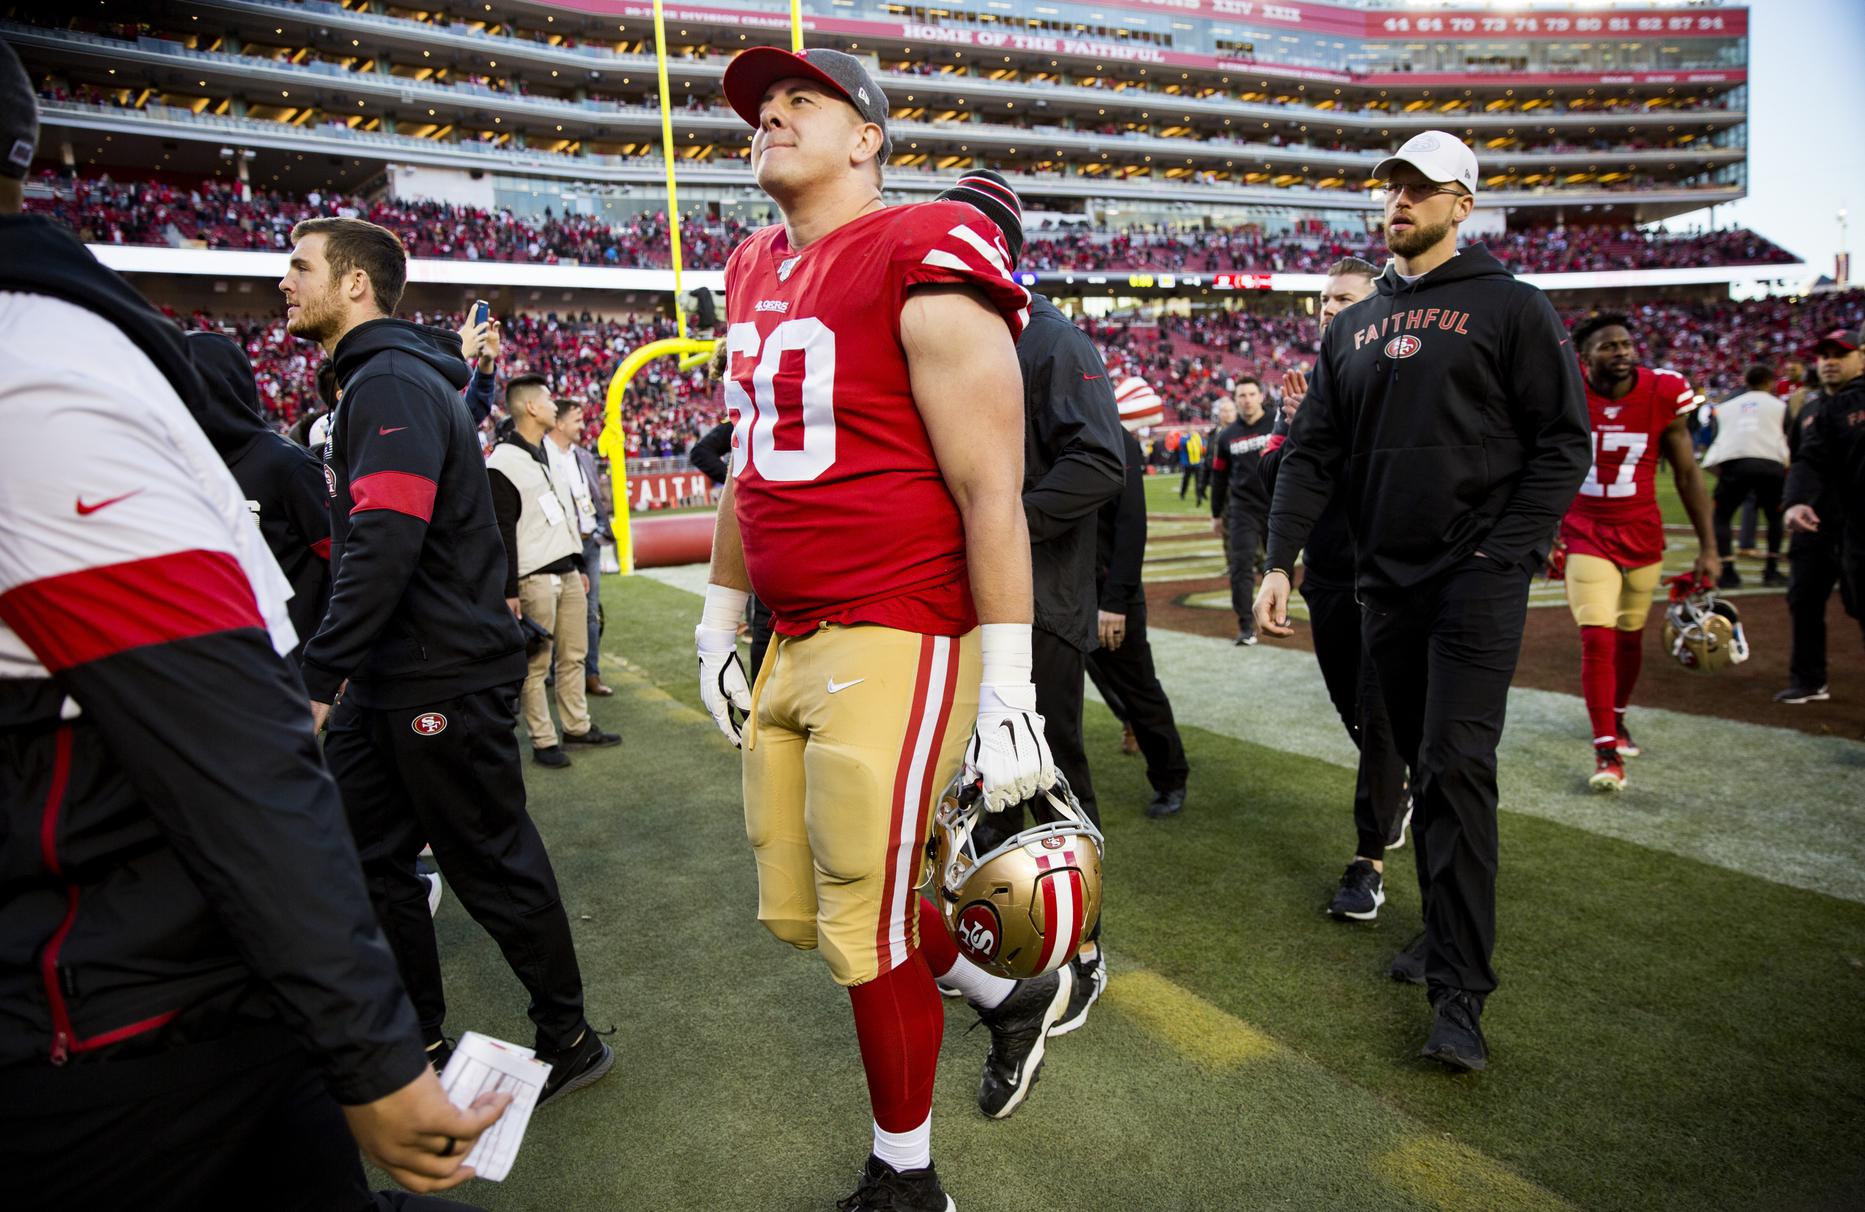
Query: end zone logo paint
x=977, y=930
x=1403, y=346
x=429, y=723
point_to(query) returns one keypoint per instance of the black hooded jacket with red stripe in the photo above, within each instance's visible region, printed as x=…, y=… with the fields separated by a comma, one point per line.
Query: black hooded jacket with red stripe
x=417, y=613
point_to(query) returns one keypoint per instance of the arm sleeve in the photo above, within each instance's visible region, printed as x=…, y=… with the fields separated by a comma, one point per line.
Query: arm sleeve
x=1076, y=420
x=397, y=446
x=1806, y=474
x=506, y=505
x=1549, y=406
x=709, y=454
x=1122, y=586
x=143, y=617
x=1311, y=462
x=479, y=394
x=1220, y=475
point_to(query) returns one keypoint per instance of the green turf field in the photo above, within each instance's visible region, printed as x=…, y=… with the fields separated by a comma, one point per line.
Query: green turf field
x=1680, y=1025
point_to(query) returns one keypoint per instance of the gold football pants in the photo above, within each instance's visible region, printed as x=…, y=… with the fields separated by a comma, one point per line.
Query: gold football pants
x=1601, y=594
x=854, y=732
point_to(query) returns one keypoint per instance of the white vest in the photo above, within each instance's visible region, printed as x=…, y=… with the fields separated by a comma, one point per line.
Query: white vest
x=546, y=513
x=1751, y=426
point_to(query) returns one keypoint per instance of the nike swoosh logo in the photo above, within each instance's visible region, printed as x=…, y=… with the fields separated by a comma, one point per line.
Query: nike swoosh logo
x=838, y=687
x=85, y=511
x=1007, y=726
x=1089, y=378
x=385, y=430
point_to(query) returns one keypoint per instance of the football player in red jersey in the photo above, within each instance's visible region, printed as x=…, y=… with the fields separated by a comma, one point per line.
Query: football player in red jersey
x=1613, y=535
x=874, y=506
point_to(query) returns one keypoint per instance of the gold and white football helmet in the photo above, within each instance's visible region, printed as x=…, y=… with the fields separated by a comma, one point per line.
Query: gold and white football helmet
x=1702, y=632
x=1021, y=909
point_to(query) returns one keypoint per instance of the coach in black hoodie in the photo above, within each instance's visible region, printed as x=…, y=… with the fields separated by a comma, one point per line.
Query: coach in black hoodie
x=422, y=742
x=1449, y=409
x=283, y=482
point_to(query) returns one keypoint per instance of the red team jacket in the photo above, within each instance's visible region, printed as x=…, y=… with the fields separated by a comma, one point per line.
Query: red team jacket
x=845, y=516
x=1616, y=517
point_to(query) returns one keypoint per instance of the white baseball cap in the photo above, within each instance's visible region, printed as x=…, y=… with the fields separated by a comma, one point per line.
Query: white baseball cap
x=1440, y=155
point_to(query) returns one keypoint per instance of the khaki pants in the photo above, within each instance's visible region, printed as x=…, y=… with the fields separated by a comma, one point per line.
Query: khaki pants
x=557, y=604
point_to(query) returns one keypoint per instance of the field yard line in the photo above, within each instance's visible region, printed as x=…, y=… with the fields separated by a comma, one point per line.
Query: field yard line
x=1769, y=802
x=1774, y=803
x=1446, y=1174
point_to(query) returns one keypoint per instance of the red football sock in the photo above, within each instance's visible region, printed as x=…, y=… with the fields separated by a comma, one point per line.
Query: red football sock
x=935, y=941
x=899, y=1021
x=1597, y=679
x=1628, y=660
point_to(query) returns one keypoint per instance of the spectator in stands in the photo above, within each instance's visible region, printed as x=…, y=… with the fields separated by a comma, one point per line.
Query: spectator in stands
x=1749, y=457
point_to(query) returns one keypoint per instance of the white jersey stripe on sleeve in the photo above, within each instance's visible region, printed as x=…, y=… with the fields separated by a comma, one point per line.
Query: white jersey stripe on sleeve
x=985, y=248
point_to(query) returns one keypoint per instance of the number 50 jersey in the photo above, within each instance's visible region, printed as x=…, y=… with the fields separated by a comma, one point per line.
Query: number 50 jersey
x=844, y=514
x=1616, y=514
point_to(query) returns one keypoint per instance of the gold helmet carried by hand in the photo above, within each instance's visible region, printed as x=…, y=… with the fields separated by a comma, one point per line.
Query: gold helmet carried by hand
x=1702, y=632
x=1021, y=909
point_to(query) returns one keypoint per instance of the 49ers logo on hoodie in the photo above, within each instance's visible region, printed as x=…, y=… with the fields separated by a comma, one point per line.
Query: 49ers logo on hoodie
x=1403, y=347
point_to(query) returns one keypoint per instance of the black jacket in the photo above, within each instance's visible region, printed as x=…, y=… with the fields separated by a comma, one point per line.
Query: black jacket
x=1120, y=536
x=712, y=454
x=175, y=867
x=1235, y=465
x=1071, y=467
x=1450, y=412
x=417, y=610
x=1327, y=559
x=1828, y=471
x=283, y=481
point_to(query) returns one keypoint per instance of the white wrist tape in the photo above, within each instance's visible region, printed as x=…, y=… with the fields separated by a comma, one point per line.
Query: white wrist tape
x=725, y=608
x=1007, y=658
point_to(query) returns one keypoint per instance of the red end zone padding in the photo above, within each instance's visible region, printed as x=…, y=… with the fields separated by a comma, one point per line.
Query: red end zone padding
x=681, y=538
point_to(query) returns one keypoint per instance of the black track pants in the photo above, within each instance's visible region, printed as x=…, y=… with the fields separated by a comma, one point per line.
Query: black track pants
x=1353, y=684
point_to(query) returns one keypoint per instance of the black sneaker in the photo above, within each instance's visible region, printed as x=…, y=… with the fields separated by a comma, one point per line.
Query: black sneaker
x=1456, y=1031
x=1018, y=1029
x=1166, y=803
x=1409, y=964
x=1090, y=979
x=885, y=1189
x=1774, y=579
x=552, y=756
x=1362, y=892
x=1730, y=578
x=594, y=736
x=1803, y=694
x=1397, y=840
x=583, y=1064
x=439, y=1053
x=1245, y=639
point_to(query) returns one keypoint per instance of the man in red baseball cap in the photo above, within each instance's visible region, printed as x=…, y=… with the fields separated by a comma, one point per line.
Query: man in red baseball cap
x=875, y=506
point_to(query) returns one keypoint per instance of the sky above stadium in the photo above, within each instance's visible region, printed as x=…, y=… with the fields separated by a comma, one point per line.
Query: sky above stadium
x=1806, y=102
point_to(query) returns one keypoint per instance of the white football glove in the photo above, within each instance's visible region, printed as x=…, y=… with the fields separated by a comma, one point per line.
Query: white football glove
x=722, y=685
x=1007, y=755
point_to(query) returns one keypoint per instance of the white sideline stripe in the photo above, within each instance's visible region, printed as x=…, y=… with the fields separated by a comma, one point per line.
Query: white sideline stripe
x=1774, y=803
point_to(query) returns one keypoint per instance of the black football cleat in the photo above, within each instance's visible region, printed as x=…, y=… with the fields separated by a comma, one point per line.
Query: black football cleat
x=1456, y=1031
x=1090, y=979
x=885, y=1189
x=1362, y=891
x=1165, y=804
x=1409, y=964
x=584, y=1063
x=1623, y=741
x=1018, y=1029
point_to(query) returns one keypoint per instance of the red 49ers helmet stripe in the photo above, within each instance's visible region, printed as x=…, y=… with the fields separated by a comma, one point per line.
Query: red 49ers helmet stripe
x=1062, y=906
x=932, y=704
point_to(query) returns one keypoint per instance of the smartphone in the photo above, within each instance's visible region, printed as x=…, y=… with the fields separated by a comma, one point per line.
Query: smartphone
x=482, y=311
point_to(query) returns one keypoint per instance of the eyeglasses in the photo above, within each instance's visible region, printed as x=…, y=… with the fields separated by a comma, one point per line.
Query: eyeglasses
x=1420, y=191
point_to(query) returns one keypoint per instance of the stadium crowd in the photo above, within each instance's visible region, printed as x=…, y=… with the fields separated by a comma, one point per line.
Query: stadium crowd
x=224, y=215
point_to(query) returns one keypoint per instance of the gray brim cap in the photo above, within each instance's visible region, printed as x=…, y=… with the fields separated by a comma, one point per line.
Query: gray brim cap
x=19, y=116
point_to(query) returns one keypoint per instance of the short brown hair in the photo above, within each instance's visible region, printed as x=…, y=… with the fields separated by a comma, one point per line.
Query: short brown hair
x=358, y=244
x=566, y=405
x=1353, y=265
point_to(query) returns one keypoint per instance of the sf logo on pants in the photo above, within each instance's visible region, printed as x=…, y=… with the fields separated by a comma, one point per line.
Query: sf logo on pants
x=429, y=723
